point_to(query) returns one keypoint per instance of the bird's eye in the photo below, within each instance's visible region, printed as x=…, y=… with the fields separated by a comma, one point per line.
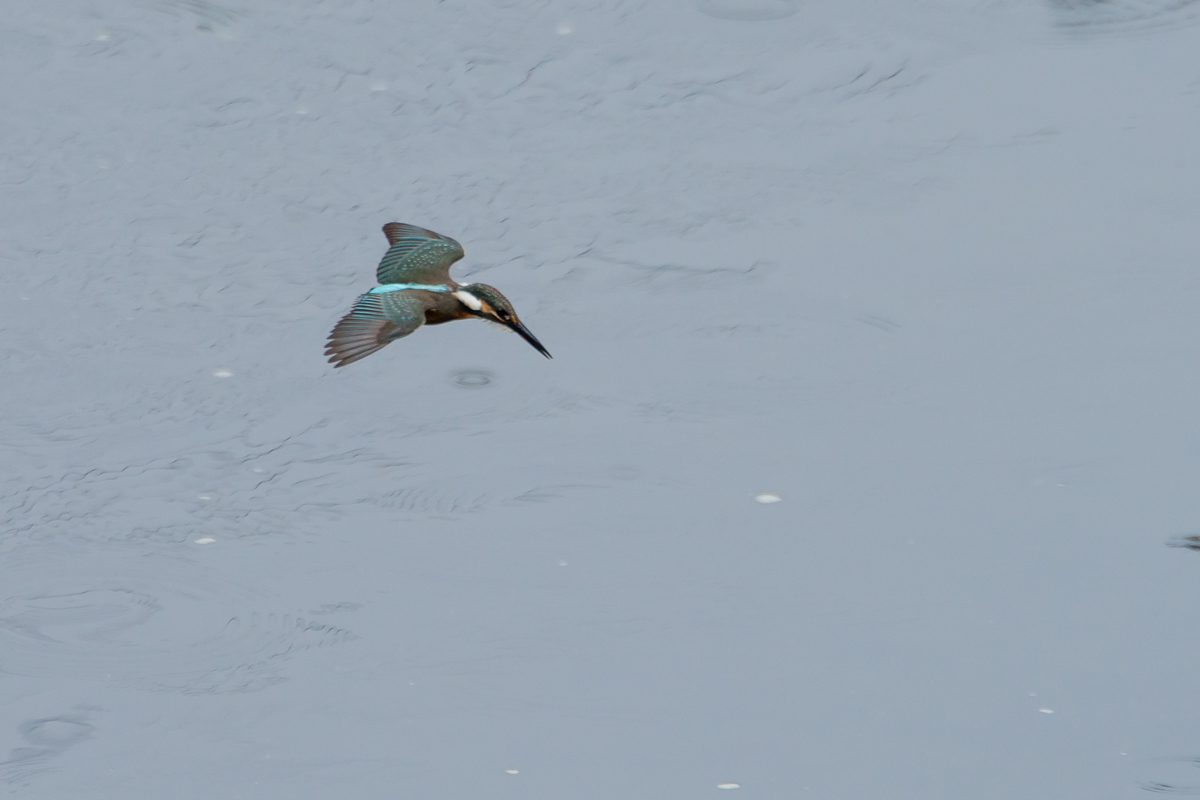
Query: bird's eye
x=503, y=314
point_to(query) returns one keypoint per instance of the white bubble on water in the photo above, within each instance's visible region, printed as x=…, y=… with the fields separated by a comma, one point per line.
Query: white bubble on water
x=1046, y=710
x=767, y=498
x=205, y=540
x=222, y=373
x=206, y=497
x=512, y=771
x=729, y=786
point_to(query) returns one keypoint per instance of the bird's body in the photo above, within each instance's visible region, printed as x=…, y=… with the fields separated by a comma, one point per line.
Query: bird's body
x=416, y=289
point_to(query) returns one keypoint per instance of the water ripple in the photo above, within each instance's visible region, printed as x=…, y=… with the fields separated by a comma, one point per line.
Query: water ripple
x=1123, y=17
x=45, y=738
x=161, y=623
x=748, y=10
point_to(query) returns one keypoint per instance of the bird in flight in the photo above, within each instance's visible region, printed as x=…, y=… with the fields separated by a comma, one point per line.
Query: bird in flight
x=416, y=289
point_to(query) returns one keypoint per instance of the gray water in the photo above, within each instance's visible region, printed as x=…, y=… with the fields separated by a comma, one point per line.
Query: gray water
x=927, y=272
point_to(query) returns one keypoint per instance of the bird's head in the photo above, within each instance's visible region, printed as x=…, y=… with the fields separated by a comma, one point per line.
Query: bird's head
x=486, y=302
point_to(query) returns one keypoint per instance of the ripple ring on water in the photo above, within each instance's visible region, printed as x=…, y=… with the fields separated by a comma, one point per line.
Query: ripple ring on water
x=471, y=378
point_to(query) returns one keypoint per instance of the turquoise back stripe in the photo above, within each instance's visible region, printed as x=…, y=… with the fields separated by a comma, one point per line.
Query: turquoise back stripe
x=399, y=287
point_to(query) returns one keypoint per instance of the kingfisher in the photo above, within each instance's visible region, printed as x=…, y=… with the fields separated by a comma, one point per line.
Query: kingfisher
x=416, y=289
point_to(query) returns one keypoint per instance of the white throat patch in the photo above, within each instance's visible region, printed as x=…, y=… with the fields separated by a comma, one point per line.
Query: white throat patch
x=469, y=300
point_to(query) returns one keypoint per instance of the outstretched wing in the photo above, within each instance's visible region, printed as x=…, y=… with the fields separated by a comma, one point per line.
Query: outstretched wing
x=375, y=320
x=417, y=255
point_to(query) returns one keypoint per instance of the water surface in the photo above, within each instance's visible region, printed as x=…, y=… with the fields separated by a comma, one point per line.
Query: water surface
x=925, y=274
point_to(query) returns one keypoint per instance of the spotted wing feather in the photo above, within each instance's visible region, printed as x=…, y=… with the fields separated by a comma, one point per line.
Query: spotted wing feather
x=417, y=255
x=375, y=321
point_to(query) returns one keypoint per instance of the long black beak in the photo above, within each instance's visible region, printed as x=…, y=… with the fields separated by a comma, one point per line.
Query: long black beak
x=529, y=337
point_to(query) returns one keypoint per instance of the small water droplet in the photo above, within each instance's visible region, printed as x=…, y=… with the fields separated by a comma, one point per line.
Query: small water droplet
x=1046, y=710
x=564, y=28
x=729, y=786
x=562, y=563
x=767, y=498
x=512, y=771
x=205, y=540
x=206, y=497
x=258, y=469
x=103, y=36
x=222, y=373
